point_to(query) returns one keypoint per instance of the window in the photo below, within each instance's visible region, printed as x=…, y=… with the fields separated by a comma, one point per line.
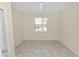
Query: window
x=41, y=24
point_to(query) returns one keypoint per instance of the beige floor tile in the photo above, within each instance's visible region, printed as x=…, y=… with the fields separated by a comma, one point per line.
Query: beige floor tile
x=42, y=48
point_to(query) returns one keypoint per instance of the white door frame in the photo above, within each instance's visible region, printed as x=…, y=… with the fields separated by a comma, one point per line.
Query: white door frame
x=6, y=6
x=3, y=38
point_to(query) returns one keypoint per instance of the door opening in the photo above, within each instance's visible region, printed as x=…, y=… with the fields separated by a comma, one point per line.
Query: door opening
x=3, y=37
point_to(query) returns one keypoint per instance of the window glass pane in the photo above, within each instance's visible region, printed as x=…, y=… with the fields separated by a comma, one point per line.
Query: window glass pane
x=38, y=20
x=44, y=20
x=36, y=30
x=44, y=25
x=40, y=29
x=44, y=29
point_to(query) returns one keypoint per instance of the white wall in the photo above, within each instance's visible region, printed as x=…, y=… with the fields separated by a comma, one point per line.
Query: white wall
x=70, y=27
x=23, y=24
x=17, y=26
x=28, y=26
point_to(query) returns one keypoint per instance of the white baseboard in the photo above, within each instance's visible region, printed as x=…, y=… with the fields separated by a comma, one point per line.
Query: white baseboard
x=18, y=43
x=70, y=48
x=40, y=39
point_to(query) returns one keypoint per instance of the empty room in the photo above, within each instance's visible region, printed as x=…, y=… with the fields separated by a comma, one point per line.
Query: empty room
x=40, y=29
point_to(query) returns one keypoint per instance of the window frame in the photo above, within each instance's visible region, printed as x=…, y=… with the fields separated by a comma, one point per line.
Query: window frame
x=41, y=25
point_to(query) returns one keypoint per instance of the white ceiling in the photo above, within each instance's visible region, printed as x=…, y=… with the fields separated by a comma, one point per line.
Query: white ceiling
x=35, y=6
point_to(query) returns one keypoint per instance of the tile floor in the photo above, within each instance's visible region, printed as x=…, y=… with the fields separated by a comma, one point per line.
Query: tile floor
x=43, y=48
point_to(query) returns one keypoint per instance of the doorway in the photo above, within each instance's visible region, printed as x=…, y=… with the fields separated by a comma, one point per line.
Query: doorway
x=3, y=38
